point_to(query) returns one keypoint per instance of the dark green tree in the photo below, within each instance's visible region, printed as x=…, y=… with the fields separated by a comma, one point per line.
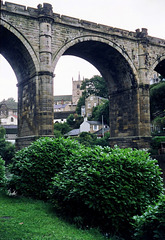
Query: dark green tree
x=101, y=110
x=74, y=120
x=157, y=98
x=2, y=132
x=95, y=86
x=61, y=128
x=80, y=103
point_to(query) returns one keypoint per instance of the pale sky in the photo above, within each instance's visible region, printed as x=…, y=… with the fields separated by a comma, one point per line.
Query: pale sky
x=124, y=14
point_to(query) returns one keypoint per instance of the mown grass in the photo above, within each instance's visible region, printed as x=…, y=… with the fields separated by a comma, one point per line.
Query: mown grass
x=27, y=219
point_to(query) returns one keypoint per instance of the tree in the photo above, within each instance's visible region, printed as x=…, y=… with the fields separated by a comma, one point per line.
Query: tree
x=2, y=132
x=95, y=86
x=61, y=128
x=74, y=120
x=101, y=110
x=157, y=98
x=80, y=103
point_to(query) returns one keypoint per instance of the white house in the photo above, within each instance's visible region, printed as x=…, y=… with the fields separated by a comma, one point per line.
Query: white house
x=91, y=126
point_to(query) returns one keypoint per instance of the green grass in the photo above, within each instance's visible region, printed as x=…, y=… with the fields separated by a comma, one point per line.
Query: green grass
x=23, y=218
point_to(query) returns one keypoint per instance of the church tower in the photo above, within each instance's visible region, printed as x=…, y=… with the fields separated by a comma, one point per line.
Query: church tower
x=76, y=92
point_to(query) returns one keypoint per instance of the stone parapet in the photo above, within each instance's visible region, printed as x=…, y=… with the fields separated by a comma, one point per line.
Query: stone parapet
x=47, y=10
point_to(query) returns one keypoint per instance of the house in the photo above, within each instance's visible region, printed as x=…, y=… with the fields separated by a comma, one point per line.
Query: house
x=91, y=126
x=8, y=107
x=91, y=102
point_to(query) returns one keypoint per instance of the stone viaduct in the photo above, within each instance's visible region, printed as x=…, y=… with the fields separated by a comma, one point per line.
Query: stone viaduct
x=33, y=39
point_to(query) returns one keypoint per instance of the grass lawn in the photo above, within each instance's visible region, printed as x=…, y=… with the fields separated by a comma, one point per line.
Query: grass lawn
x=23, y=218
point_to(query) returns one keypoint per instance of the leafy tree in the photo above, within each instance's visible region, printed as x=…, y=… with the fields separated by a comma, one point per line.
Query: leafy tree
x=61, y=128
x=7, y=150
x=95, y=86
x=157, y=98
x=74, y=120
x=87, y=139
x=2, y=132
x=101, y=110
x=81, y=102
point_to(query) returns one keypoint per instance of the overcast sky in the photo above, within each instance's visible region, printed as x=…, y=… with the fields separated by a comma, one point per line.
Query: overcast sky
x=124, y=14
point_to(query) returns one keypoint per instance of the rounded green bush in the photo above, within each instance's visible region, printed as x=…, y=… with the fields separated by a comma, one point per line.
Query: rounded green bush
x=2, y=172
x=33, y=167
x=151, y=224
x=107, y=187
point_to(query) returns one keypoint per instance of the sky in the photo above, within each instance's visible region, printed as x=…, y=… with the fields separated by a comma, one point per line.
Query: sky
x=125, y=14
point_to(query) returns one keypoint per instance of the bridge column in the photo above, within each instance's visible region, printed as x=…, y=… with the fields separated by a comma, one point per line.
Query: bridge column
x=45, y=76
x=36, y=93
x=130, y=110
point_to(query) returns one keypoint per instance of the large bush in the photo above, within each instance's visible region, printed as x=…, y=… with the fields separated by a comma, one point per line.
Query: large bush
x=2, y=172
x=151, y=224
x=106, y=187
x=33, y=167
x=156, y=144
x=7, y=150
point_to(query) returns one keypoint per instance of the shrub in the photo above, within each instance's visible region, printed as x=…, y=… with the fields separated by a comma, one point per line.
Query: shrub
x=156, y=144
x=7, y=150
x=2, y=172
x=106, y=187
x=151, y=224
x=34, y=166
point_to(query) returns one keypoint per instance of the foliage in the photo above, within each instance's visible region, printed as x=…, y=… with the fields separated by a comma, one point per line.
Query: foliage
x=151, y=224
x=74, y=121
x=28, y=219
x=95, y=86
x=87, y=139
x=34, y=166
x=156, y=144
x=157, y=98
x=106, y=187
x=7, y=150
x=81, y=102
x=160, y=122
x=61, y=128
x=2, y=132
x=101, y=110
x=90, y=139
x=2, y=172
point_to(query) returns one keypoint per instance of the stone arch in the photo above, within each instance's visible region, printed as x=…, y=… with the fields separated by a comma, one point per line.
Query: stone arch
x=118, y=70
x=18, y=52
x=100, y=40
x=158, y=66
x=21, y=56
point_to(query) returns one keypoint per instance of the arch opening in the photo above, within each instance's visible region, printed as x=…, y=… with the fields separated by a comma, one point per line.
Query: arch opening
x=160, y=68
x=121, y=83
x=110, y=63
x=14, y=51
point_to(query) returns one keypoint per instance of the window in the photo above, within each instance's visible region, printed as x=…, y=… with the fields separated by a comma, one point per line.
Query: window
x=95, y=127
x=12, y=119
x=89, y=105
